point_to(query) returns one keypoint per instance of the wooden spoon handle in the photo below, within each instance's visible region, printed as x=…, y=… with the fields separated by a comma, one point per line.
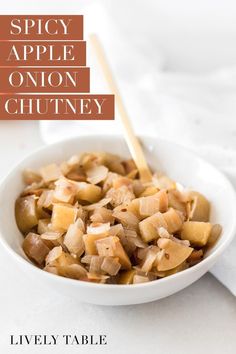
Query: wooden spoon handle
x=132, y=141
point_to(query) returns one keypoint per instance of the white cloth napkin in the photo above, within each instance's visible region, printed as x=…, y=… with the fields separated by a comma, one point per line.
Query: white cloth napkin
x=195, y=111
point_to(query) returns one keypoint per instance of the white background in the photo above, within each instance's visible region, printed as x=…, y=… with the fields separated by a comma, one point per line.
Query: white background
x=195, y=36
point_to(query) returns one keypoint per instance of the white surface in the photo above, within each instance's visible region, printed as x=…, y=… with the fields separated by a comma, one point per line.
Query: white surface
x=161, y=155
x=201, y=316
x=194, y=36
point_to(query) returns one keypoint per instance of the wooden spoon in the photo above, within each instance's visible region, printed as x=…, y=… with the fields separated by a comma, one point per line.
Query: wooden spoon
x=132, y=141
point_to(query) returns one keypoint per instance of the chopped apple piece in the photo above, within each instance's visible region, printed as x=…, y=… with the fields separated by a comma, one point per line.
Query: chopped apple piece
x=174, y=220
x=89, y=242
x=111, y=247
x=196, y=232
x=63, y=216
x=88, y=192
x=26, y=213
x=152, y=204
x=175, y=254
x=149, y=226
x=126, y=277
x=35, y=248
x=200, y=210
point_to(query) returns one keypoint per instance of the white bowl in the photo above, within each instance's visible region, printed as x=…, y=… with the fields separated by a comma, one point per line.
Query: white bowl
x=177, y=162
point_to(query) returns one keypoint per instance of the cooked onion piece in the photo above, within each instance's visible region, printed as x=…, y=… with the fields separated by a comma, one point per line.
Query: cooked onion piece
x=89, y=242
x=102, y=215
x=98, y=228
x=140, y=279
x=91, y=218
x=65, y=190
x=50, y=173
x=43, y=226
x=111, y=265
x=111, y=247
x=73, y=239
x=97, y=174
x=30, y=176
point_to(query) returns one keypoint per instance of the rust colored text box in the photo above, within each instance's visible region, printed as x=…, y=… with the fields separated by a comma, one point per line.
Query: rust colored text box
x=41, y=27
x=44, y=80
x=33, y=53
x=57, y=107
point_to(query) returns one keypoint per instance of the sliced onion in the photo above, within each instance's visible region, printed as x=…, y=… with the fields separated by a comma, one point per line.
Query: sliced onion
x=181, y=242
x=162, y=232
x=86, y=259
x=51, y=235
x=122, y=181
x=73, y=240
x=98, y=228
x=102, y=215
x=65, y=190
x=73, y=271
x=130, y=233
x=111, y=265
x=98, y=278
x=120, y=196
x=138, y=242
x=50, y=173
x=31, y=176
x=116, y=230
x=95, y=264
x=150, y=258
x=46, y=199
x=127, y=219
x=97, y=205
x=54, y=254
x=140, y=279
x=97, y=174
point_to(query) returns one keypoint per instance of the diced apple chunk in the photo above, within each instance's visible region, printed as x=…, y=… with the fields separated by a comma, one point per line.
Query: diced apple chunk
x=173, y=220
x=111, y=247
x=175, y=254
x=63, y=216
x=88, y=192
x=127, y=276
x=26, y=213
x=149, y=226
x=35, y=248
x=89, y=242
x=196, y=232
x=200, y=210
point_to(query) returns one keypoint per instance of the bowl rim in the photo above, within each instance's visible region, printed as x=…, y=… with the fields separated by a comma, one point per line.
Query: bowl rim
x=210, y=259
